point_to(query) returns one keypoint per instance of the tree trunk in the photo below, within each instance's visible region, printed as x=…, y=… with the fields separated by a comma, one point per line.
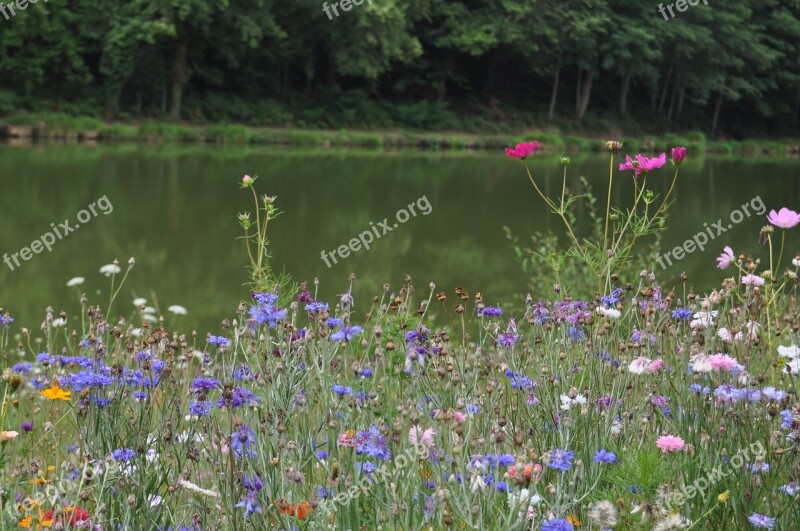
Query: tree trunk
x=623, y=93
x=672, y=100
x=681, y=98
x=578, y=85
x=180, y=74
x=554, y=95
x=666, y=84
x=715, y=121
x=488, y=86
x=586, y=93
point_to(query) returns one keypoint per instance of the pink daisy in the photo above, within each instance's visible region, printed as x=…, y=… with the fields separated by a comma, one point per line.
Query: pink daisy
x=670, y=443
x=752, y=280
x=722, y=362
x=725, y=259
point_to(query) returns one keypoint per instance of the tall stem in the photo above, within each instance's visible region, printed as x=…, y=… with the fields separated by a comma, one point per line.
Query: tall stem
x=608, y=201
x=780, y=255
x=555, y=210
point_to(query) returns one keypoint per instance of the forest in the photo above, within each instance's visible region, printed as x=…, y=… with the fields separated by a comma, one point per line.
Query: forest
x=730, y=70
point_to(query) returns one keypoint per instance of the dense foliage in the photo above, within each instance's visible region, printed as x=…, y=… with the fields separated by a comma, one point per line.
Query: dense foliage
x=731, y=68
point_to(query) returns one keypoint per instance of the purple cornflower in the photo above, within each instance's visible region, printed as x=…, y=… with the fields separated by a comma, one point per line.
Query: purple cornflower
x=26, y=426
x=266, y=311
x=322, y=455
x=682, y=313
x=519, y=381
x=373, y=444
x=774, y=394
x=342, y=390
x=253, y=484
x=250, y=503
x=416, y=336
x=200, y=409
x=610, y=301
x=790, y=489
x=140, y=395
x=6, y=320
x=239, y=397
x=315, y=307
x=605, y=456
x=242, y=440
x=761, y=520
x=205, y=384
x=305, y=296
x=366, y=467
x=346, y=333
x=540, y=313
x=659, y=401
x=218, y=341
x=561, y=459
x=22, y=367
x=787, y=422
x=490, y=311
x=430, y=507
x=759, y=468
x=557, y=524
x=123, y=454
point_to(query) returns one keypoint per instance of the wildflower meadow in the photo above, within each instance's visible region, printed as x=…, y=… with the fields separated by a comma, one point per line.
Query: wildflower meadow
x=617, y=402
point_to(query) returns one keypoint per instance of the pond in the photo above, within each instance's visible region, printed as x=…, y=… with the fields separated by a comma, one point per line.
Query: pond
x=175, y=210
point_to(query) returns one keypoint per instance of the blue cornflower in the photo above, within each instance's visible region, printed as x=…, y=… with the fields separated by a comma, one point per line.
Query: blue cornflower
x=239, y=397
x=342, y=390
x=759, y=468
x=333, y=322
x=430, y=507
x=322, y=455
x=205, y=384
x=774, y=394
x=557, y=524
x=561, y=459
x=139, y=395
x=323, y=493
x=605, y=456
x=473, y=408
x=787, y=422
x=761, y=520
x=502, y=486
x=507, y=340
x=242, y=440
x=416, y=336
x=316, y=307
x=218, y=341
x=490, y=311
x=610, y=301
x=6, y=320
x=123, y=454
x=250, y=503
x=518, y=381
x=366, y=373
x=346, y=333
x=366, y=467
x=200, y=409
x=22, y=367
x=266, y=311
x=45, y=359
x=373, y=444
x=86, y=380
x=242, y=373
x=158, y=366
x=682, y=313
x=253, y=484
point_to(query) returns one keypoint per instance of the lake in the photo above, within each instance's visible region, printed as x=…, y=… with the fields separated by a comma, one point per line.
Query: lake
x=175, y=210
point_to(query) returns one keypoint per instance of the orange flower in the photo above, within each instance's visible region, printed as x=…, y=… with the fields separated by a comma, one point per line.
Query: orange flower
x=574, y=520
x=26, y=522
x=8, y=436
x=55, y=393
x=301, y=510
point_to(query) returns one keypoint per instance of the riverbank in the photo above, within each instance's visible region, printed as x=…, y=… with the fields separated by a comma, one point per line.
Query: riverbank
x=58, y=127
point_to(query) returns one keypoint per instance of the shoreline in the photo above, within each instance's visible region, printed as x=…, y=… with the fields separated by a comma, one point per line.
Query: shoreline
x=88, y=130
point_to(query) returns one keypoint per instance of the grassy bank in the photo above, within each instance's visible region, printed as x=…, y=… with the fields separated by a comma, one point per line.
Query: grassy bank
x=67, y=128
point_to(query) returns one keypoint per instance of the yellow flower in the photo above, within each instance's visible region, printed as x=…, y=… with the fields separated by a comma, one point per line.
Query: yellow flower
x=722, y=498
x=26, y=522
x=573, y=520
x=8, y=435
x=55, y=393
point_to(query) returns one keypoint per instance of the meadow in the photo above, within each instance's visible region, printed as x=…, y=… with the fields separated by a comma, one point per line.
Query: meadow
x=615, y=403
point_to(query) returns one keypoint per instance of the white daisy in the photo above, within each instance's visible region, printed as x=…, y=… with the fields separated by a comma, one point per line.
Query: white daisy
x=110, y=269
x=77, y=281
x=177, y=310
x=139, y=301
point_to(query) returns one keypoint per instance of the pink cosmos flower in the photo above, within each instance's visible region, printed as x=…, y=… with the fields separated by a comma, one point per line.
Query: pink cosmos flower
x=784, y=219
x=656, y=365
x=417, y=436
x=722, y=362
x=670, y=443
x=678, y=154
x=460, y=417
x=752, y=280
x=726, y=258
x=522, y=150
x=643, y=164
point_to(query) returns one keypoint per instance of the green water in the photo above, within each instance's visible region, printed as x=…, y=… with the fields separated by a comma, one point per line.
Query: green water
x=174, y=210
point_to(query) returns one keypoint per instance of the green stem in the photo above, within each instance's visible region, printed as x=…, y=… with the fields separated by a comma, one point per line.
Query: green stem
x=780, y=255
x=555, y=210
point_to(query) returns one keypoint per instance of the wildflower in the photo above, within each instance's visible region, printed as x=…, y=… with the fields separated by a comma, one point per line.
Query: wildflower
x=670, y=443
x=6, y=436
x=605, y=456
x=247, y=181
x=790, y=489
x=640, y=365
x=205, y=384
x=726, y=258
x=560, y=459
x=673, y=522
x=250, y=503
x=774, y=394
x=417, y=436
x=761, y=521
x=568, y=402
x=110, y=269
x=522, y=150
x=373, y=444
x=242, y=440
x=678, y=154
x=123, y=454
x=177, y=310
x=77, y=518
x=608, y=312
x=26, y=426
x=752, y=280
x=641, y=164
x=55, y=393
x=316, y=307
x=266, y=311
x=490, y=311
x=218, y=341
x=77, y=281
x=656, y=365
x=792, y=351
x=301, y=510
x=342, y=390
x=346, y=333
x=199, y=490
x=783, y=219
x=518, y=381
x=604, y=514
x=722, y=362
x=557, y=524
x=681, y=313
x=200, y=409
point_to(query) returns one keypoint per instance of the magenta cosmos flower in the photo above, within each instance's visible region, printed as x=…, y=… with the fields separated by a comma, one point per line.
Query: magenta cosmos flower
x=522, y=150
x=641, y=164
x=725, y=259
x=678, y=154
x=784, y=219
x=670, y=443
